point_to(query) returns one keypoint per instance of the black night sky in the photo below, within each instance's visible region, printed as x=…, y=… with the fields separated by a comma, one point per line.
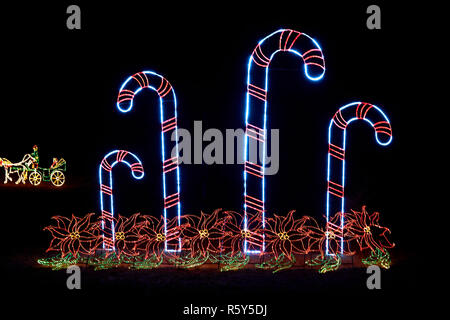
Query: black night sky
x=62, y=88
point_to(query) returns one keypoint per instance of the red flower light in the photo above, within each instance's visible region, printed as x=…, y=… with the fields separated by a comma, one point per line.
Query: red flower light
x=126, y=235
x=285, y=235
x=203, y=234
x=75, y=236
x=235, y=233
x=364, y=228
x=153, y=235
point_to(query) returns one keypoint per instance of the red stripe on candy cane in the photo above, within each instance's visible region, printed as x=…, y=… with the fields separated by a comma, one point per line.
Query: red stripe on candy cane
x=311, y=57
x=254, y=135
x=169, y=124
x=280, y=41
x=121, y=155
x=143, y=78
x=254, y=169
x=314, y=54
x=170, y=164
x=171, y=200
x=368, y=107
x=293, y=36
x=257, y=92
x=335, y=189
x=137, y=167
x=254, y=203
x=109, y=244
x=164, y=88
x=125, y=95
x=105, y=189
x=105, y=165
x=107, y=215
x=339, y=120
x=315, y=64
x=309, y=51
x=383, y=127
x=362, y=109
x=336, y=151
x=337, y=231
x=140, y=80
x=255, y=132
x=259, y=58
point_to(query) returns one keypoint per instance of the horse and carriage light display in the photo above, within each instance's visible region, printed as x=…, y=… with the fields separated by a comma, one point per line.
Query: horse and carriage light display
x=29, y=169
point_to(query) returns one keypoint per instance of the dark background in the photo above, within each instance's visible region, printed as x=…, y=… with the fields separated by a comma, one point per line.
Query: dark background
x=61, y=91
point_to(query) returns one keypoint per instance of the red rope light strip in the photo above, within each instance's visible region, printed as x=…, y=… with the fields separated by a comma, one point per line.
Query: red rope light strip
x=171, y=200
x=335, y=189
x=105, y=189
x=164, y=88
x=107, y=215
x=142, y=79
x=105, y=165
x=255, y=132
x=384, y=127
x=169, y=124
x=125, y=95
x=337, y=230
x=361, y=111
x=259, y=58
x=283, y=43
x=339, y=120
x=121, y=155
x=170, y=164
x=254, y=169
x=137, y=167
x=336, y=151
x=257, y=92
x=254, y=203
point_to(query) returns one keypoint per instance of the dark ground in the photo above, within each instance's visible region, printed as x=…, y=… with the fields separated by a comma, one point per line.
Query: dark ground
x=299, y=290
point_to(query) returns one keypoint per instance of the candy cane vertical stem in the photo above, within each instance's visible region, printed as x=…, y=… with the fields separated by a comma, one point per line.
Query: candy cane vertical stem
x=336, y=155
x=106, y=190
x=168, y=119
x=256, y=108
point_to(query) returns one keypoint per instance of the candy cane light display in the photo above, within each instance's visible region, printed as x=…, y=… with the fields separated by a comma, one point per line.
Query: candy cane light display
x=283, y=40
x=106, y=190
x=336, y=157
x=168, y=119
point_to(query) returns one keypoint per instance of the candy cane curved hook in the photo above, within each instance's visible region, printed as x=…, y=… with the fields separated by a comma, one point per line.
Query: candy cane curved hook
x=106, y=189
x=336, y=154
x=256, y=98
x=168, y=118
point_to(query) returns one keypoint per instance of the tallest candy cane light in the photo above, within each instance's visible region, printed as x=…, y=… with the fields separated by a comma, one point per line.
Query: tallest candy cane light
x=337, y=131
x=291, y=41
x=168, y=119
